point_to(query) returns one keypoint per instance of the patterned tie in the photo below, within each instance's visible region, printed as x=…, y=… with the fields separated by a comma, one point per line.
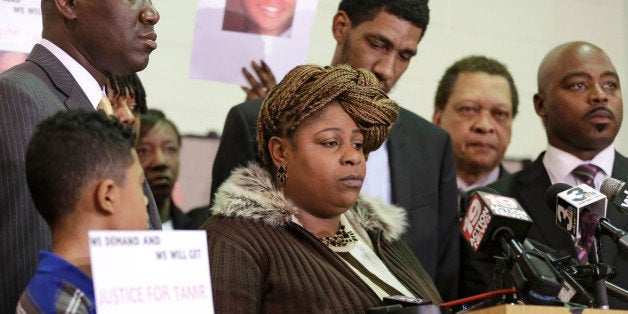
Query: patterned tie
x=105, y=106
x=586, y=173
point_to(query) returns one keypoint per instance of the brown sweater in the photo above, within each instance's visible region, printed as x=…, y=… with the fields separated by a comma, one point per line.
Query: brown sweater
x=260, y=261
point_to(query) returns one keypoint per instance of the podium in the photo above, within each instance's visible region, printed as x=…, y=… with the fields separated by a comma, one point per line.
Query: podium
x=537, y=309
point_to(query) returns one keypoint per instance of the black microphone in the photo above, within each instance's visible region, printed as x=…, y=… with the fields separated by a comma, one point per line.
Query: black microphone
x=578, y=211
x=466, y=197
x=617, y=193
x=588, y=213
x=487, y=212
x=406, y=305
x=496, y=224
x=572, y=291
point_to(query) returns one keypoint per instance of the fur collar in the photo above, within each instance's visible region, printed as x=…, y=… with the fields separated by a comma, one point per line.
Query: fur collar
x=250, y=193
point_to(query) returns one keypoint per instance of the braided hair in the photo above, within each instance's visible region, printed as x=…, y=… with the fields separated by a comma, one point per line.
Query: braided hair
x=129, y=86
x=307, y=89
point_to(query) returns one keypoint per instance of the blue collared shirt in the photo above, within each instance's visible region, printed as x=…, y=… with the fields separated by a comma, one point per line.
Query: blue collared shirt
x=57, y=287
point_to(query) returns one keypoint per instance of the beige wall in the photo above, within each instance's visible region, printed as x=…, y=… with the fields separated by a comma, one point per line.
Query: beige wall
x=515, y=32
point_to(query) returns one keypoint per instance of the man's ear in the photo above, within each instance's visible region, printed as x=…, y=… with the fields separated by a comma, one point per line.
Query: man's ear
x=277, y=147
x=340, y=26
x=67, y=8
x=106, y=196
x=539, y=104
x=436, y=118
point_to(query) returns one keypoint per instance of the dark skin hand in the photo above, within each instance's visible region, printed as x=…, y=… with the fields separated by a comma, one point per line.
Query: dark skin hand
x=259, y=88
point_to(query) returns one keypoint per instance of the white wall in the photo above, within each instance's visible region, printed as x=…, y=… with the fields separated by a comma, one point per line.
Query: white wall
x=518, y=33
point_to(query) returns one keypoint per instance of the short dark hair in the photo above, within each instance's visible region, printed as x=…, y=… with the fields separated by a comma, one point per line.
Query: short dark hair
x=68, y=151
x=129, y=86
x=153, y=116
x=473, y=64
x=416, y=12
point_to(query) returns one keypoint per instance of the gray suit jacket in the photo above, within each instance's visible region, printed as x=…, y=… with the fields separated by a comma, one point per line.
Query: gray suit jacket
x=423, y=180
x=30, y=92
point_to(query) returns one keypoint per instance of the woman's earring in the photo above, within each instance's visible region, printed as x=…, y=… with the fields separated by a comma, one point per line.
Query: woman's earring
x=282, y=173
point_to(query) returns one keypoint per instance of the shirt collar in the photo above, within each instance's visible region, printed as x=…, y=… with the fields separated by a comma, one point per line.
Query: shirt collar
x=560, y=164
x=486, y=180
x=86, y=81
x=51, y=263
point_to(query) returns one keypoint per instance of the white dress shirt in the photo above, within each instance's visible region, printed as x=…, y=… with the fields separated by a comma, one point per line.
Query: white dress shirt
x=484, y=181
x=559, y=165
x=376, y=184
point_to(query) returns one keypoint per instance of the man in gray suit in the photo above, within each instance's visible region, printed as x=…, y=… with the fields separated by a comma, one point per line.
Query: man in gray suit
x=83, y=43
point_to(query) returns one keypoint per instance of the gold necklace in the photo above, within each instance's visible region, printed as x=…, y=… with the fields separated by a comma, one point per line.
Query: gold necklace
x=340, y=239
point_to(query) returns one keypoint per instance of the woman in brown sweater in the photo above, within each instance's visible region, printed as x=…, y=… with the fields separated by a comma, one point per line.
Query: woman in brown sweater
x=294, y=234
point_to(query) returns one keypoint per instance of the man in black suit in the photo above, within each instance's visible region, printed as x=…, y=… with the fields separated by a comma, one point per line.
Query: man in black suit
x=579, y=101
x=414, y=169
x=83, y=43
x=476, y=101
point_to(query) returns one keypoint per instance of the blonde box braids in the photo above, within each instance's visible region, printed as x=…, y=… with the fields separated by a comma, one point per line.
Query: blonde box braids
x=307, y=89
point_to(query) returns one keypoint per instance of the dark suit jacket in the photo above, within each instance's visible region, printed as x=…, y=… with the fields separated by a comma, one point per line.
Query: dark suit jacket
x=29, y=93
x=471, y=281
x=423, y=182
x=528, y=187
x=191, y=220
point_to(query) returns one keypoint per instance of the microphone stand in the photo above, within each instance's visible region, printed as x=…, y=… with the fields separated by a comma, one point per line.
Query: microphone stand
x=599, y=281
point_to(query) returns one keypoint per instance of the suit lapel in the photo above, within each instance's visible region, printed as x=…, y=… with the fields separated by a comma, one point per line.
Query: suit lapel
x=502, y=172
x=61, y=78
x=620, y=172
x=620, y=167
x=530, y=188
x=399, y=169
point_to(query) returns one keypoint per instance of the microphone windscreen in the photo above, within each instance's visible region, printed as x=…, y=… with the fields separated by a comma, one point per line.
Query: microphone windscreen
x=552, y=192
x=611, y=187
x=466, y=197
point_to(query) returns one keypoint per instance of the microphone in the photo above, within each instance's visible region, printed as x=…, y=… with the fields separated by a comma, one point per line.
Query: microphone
x=486, y=212
x=617, y=193
x=582, y=207
x=562, y=261
x=578, y=211
x=405, y=304
x=496, y=224
x=466, y=197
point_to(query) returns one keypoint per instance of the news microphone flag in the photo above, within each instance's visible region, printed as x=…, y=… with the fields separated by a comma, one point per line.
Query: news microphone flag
x=570, y=203
x=486, y=213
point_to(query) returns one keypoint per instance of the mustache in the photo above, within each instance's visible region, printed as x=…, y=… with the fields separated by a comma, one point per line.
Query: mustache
x=595, y=110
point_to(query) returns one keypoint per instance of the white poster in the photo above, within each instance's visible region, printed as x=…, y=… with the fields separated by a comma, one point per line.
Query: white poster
x=230, y=34
x=20, y=29
x=151, y=272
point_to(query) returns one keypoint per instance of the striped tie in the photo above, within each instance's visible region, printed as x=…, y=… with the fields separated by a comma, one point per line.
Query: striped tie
x=586, y=173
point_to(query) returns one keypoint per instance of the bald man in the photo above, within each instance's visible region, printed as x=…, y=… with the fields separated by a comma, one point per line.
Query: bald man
x=579, y=101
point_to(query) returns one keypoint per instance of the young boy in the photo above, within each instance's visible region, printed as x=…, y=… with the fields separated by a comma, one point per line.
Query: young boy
x=83, y=174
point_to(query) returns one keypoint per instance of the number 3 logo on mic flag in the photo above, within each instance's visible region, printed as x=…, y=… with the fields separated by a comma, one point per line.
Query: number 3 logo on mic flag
x=564, y=217
x=569, y=203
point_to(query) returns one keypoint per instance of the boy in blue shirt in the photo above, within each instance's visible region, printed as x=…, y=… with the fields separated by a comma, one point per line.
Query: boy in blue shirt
x=83, y=174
